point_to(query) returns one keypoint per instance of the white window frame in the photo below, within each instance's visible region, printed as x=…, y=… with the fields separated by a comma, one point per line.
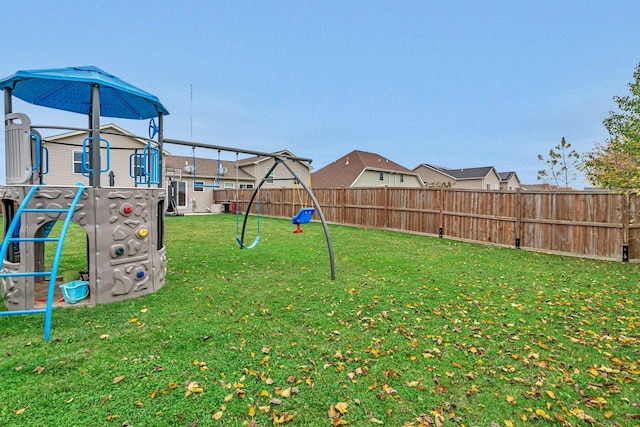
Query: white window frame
x=78, y=162
x=186, y=194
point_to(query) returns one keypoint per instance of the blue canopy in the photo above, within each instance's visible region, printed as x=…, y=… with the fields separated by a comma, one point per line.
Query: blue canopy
x=69, y=89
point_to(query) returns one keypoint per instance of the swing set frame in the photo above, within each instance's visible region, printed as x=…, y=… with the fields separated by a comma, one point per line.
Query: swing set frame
x=279, y=159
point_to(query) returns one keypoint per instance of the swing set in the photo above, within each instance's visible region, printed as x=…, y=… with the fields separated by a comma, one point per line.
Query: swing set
x=302, y=217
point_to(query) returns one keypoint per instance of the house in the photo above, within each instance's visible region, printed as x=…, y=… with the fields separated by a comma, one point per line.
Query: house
x=509, y=181
x=480, y=178
x=364, y=169
x=193, y=179
x=64, y=156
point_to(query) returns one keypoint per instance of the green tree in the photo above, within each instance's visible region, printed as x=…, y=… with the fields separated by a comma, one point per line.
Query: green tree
x=561, y=165
x=615, y=164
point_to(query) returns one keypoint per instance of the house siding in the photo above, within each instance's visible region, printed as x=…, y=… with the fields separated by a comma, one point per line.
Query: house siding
x=61, y=160
x=371, y=178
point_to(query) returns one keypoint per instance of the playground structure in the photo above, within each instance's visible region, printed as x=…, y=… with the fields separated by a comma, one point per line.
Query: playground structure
x=124, y=226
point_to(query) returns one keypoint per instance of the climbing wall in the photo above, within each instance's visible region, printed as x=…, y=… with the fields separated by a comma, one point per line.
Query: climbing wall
x=130, y=259
x=124, y=227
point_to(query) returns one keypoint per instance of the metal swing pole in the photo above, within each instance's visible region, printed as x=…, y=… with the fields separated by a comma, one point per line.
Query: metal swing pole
x=319, y=210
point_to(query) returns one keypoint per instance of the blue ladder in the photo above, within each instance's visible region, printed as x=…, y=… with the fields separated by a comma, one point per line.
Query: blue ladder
x=9, y=239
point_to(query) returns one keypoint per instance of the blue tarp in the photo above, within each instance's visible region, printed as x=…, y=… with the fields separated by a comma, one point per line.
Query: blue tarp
x=69, y=89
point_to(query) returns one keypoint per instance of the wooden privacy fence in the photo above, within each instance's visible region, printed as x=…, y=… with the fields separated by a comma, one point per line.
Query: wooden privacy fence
x=589, y=224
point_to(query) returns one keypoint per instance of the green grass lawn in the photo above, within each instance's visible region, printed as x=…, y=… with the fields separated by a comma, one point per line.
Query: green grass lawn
x=414, y=331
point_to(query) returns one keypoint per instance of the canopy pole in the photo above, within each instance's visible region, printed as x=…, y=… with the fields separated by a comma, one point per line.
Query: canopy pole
x=8, y=107
x=94, y=153
x=160, y=141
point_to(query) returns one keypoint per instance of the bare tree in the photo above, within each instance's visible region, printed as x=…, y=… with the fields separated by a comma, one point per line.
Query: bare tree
x=562, y=165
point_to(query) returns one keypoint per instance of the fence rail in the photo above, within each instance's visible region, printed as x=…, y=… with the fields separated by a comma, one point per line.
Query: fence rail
x=583, y=223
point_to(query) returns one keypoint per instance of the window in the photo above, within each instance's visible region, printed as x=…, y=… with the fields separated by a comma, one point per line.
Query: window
x=269, y=179
x=488, y=186
x=230, y=185
x=401, y=178
x=297, y=180
x=198, y=186
x=77, y=162
x=381, y=176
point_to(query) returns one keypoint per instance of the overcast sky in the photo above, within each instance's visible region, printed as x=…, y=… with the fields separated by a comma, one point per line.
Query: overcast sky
x=452, y=83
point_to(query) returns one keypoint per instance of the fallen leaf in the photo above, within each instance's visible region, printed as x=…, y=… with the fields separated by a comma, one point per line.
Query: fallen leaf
x=116, y=380
x=341, y=407
x=193, y=387
x=331, y=413
x=217, y=415
x=105, y=399
x=19, y=411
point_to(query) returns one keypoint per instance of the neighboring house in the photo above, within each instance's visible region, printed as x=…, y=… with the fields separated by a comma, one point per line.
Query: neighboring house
x=193, y=180
x=509, y=181
x=65, y=157
x=364, y=169
x=482, y=178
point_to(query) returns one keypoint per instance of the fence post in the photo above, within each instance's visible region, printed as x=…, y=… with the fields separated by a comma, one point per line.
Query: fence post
x=441, y=216
x=518, y=223
x=625, y=227
x=386, y=207
x=341, y=202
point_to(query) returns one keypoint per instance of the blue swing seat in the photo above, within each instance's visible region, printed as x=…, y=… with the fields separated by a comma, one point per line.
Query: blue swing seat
x=304, y=216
